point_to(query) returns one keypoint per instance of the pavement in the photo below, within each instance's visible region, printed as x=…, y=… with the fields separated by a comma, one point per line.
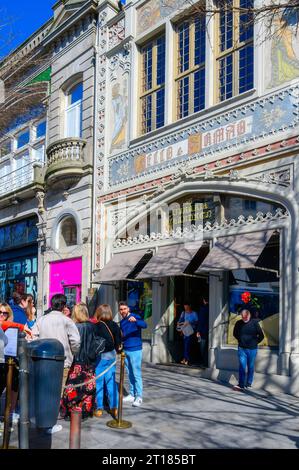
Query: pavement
x=182, y=410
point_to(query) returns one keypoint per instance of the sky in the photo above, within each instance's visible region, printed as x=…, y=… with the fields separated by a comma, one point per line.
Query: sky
x=19, y=19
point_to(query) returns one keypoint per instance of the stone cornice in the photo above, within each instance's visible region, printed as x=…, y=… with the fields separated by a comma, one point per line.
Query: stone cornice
x=61, y=29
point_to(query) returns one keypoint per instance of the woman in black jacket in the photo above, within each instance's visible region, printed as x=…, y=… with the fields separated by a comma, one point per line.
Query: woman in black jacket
x=108, y=329
x=82, y=369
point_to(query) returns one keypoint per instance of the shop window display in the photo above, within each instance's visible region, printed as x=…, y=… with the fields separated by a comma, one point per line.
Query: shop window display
x=259, y=290
x=140, y=302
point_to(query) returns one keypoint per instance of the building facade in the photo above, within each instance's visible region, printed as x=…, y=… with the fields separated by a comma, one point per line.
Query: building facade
x=196, y=189
x=155, y=164
x=47, y=158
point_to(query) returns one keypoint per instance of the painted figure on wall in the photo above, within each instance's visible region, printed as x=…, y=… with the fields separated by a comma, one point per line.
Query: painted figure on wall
x=284, y=51
x=119, y=106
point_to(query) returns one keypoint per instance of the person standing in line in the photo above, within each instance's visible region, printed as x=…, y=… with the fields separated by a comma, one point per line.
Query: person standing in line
x=82, y=369
x=30, y=311
x=187, y=324
x=19, y=306
x=110, y=331
x=56, y=325
x=6, y=321
x=248, y=333
x=131, y=326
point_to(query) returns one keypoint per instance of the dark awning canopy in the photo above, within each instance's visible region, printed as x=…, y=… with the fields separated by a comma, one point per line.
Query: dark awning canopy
x=236, y=252
x=170, y=260
x=120, y=266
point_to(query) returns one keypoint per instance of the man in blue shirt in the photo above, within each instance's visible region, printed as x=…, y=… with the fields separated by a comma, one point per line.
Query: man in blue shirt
x=19, y=305
x=131, y=326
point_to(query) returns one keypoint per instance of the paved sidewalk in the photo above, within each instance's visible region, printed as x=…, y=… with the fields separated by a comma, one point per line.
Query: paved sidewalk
x=183, y=411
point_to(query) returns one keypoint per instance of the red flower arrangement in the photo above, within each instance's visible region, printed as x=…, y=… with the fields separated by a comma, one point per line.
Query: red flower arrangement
x=247, y=298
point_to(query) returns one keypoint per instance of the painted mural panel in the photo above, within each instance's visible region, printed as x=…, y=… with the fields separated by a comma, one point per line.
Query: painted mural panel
x=233, y=130
x=119, y=108
x=152, y=11
x=283, y=54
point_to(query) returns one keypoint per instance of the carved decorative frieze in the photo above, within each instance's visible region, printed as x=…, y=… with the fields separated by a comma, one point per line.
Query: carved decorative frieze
x=117, y=33
x=191, y=231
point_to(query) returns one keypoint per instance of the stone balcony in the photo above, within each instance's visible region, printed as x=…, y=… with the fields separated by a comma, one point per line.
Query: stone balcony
x=65, y=162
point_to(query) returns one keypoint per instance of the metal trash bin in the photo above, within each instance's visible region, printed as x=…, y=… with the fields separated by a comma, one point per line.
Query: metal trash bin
x=46, y=363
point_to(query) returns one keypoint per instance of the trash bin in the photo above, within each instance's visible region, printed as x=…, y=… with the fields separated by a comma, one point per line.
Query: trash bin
x=46, y=363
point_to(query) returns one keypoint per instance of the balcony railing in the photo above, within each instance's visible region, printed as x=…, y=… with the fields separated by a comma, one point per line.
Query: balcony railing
x=65, y=162
x=18, y=179
x=66, y=150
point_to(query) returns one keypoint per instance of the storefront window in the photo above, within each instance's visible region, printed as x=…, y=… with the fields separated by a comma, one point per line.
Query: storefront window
x=19, y=275
x=17, y=234
x=263, y=286
x=140, y=302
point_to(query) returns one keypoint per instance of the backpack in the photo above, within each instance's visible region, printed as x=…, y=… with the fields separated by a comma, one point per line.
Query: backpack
x=97, y=346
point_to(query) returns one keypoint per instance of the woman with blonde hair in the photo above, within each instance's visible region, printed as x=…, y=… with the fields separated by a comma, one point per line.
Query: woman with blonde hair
x=82, y=369
x=108, y=329
x=30, y=311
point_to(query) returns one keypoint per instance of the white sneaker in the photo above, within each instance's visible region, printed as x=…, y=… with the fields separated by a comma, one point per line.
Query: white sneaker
x=137, y=401
x=128, y=399
x=56, y=428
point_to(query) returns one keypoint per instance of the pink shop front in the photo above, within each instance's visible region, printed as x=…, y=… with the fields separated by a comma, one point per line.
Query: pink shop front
x=65, y=277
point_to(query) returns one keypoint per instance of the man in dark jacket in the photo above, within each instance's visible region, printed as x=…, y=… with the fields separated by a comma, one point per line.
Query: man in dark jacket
x=248, y=333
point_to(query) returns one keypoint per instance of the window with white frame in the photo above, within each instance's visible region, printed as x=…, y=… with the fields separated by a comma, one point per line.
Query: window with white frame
x=234, y=40
x=5, y=147
x=22, y=138
x=190, y=76
x=152, y=95
x=21, y=165
x=39, y=153
x=40, y=129
x=73, y=111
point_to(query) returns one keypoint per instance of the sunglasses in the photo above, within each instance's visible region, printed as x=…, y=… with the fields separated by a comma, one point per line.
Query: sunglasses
x=4, y=313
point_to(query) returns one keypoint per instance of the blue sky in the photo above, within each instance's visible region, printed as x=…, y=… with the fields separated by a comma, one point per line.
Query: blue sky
x=22, y=18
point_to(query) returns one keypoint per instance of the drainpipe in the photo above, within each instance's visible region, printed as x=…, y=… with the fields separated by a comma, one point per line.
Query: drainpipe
x=94, y=163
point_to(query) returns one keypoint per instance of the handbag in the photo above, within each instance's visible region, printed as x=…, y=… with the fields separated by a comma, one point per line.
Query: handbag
x=187, y=330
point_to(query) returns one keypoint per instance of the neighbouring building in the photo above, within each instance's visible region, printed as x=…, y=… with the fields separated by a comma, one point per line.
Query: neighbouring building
x=46, y=158
x=196, y=177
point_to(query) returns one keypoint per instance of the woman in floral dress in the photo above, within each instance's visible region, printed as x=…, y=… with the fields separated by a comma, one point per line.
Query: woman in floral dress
x=82, y=369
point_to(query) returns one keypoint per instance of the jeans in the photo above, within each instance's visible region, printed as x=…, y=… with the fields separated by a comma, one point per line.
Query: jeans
x=187, y=347
x=107, y=382
x=133, y=362
x=246, y=359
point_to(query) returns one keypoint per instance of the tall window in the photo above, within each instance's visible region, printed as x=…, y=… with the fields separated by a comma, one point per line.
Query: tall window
x=234, y=62
x=190, y=77
x=73, y=111
x=153, y=85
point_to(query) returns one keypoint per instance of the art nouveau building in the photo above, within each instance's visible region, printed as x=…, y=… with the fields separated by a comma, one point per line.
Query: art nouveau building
x=196, y=177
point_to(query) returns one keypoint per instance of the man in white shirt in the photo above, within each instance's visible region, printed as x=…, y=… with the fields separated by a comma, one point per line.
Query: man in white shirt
x=56, y=325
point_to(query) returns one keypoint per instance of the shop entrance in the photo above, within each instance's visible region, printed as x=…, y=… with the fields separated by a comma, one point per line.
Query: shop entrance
x=193, y=290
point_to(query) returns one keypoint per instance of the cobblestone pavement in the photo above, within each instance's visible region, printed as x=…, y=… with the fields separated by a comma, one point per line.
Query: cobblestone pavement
x=182, y=411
